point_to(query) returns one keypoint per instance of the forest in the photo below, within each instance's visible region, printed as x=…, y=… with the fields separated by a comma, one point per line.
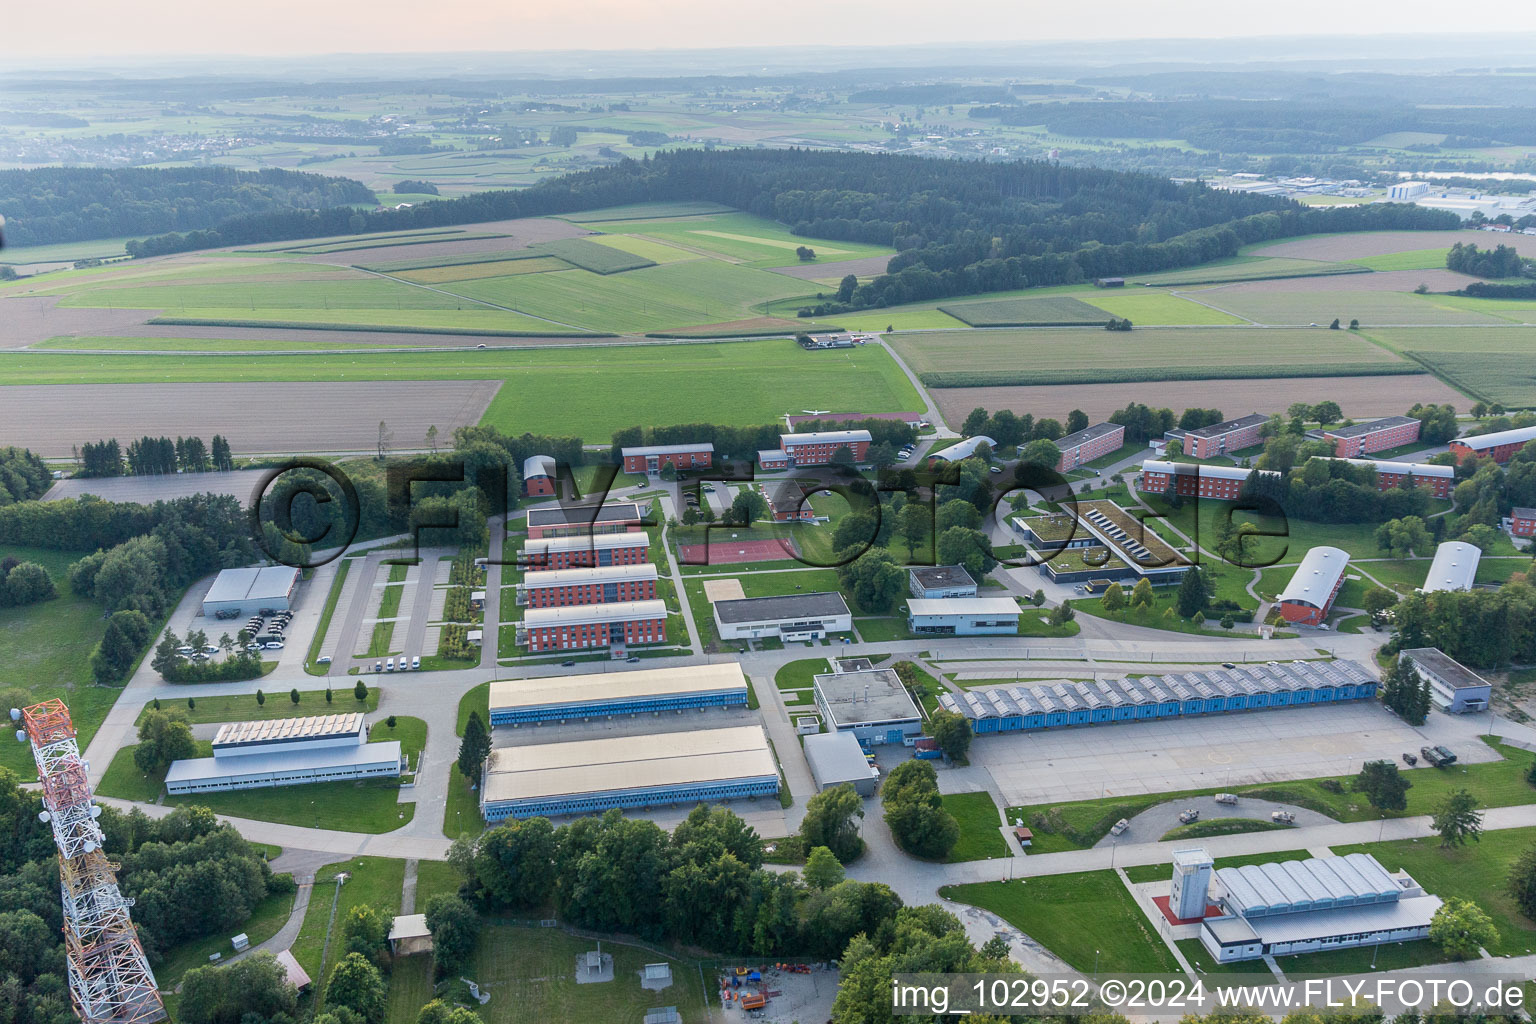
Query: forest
x=47, y=205
x=962, y=227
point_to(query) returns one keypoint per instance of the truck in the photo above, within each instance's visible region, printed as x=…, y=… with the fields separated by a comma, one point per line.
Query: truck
x=1188, y=816
x=1282, y=817
x=1119, y=827
x=1437, y=755
x=1226, y=798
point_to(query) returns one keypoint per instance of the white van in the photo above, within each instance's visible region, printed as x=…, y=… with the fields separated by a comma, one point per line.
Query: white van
x=416, y=664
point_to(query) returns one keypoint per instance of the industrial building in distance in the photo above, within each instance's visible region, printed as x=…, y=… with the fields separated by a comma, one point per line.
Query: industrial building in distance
x=1216, y=691
x=870, y=704
x=603, y=694
x=251, y=591
x=654, y=770
x=1309, y=595
x=1452, y=685
x=286, y=752
x=787, y=617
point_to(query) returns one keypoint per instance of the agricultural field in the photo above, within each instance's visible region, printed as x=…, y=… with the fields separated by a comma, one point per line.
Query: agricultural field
x=1274, y=302
x=1412, y=259
x=735, y=237
x=587, y=255
x=1493, y=365
x=482, y=269
x=1246, y=268
x=1055, y=311
x=1044, y=356
x=1367, y=396
x=1367, y=244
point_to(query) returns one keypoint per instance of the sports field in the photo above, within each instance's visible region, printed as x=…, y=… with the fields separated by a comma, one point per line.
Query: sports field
x=582, y=391
x=1084, y=356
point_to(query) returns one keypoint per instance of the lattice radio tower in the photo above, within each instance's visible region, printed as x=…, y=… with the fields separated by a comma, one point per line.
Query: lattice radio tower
x=109, y=977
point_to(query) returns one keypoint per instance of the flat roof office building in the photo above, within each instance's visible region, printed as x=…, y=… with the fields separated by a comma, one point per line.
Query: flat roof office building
x=871, y=704
x=1453, y=686
x=964, y=616
x=940, y=581
x=787, y=617
x=836, y=758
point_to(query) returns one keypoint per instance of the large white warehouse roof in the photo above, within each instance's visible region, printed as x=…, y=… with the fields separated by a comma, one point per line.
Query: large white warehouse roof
x=1454, y=567
x=1315, y=577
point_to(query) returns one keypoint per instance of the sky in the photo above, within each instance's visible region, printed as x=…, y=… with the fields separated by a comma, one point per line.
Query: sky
x=289, y=27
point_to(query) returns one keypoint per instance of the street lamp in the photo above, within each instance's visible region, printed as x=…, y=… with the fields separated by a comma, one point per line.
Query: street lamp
x=1095, y=963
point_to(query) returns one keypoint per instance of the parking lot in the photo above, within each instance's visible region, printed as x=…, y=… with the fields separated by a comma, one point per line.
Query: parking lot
x=1197, y=753
x=296, y=633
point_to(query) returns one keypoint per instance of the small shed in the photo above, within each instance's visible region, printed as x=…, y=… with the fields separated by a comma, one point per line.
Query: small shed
x=408, y=935
x=296, y=974
x=241, y=942
x=658, y=972
x=1024, y=836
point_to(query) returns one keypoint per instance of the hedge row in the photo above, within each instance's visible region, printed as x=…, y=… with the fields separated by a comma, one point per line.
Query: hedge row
x=305, y=325
x=1133, y=375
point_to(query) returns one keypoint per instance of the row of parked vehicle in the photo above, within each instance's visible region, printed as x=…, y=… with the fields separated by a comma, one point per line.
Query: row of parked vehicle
x=268, y=635
x=398, y=664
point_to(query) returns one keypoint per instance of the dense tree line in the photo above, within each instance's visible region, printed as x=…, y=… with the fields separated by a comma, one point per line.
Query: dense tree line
x=961, y=226
x=23, y=475
x=152, y=455
x=1486, y=290
x=189, y=876
x=46, y=205
x=703, y=885
x=1501, y=261
x=1482, y=628
x=88, y=522
x=1328, y=490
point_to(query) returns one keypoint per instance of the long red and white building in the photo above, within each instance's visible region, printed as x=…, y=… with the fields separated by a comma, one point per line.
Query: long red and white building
x=578, y=627
x=1090, y=443
x=607, y=584
x=1224, y=482
x=1373, y=436
x=593, y=550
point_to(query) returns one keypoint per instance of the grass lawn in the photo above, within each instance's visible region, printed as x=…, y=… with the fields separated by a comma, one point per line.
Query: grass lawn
x=530, y=973
x=1201, y=960
x=365, y=806
x=435, y=878
x=46, y=650
x=410, y=983
x=410, y=732
x=462, y=813
x=325, y=619
x=1078, y=825
x=561, y=391
x=1358, y=960
x=242, y=707
x=123, y=780
x=979, y=823
x=372, y=881
x=1083, y=918
x=1222, y=827
x=800, y=675
x=881, y=629
x=1478, y=872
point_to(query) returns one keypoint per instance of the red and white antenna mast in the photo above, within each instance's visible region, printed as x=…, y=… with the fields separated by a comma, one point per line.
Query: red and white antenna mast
x=109, y=977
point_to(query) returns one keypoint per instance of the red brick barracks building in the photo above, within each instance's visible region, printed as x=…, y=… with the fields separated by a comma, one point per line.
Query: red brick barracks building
x=1224, y=482
x=1375, y=436
x=653, y=458
x=596, y=550
x=1088, y=444
x=563, y=521
x=1498, y=446
x=577, y=627
x=817, y=449
x=539, y=476
x=1522, y=522
x=1316, y=582
x=557, y=588
x=1220, y=438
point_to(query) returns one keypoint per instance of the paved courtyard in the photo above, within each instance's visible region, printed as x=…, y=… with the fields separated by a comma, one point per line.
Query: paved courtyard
x=1160, y=756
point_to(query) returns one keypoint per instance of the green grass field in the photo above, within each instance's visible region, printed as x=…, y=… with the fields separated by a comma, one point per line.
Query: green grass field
x=45, y=649
x=588, y=255
x=564, y=391
x=1086, y=918
x=650, y=211
x=1043, y=356
x=477, y=271
x=371, y=881
x=267, y=917
x=1052, y=311
x=1412, y=259
x=979, y=823
x=242, y=707
x=1371, y=308
x=739, y=237
x=1247, y=268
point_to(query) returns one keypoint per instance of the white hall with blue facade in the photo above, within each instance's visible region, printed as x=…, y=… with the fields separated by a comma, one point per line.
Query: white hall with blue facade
x=1050, y=705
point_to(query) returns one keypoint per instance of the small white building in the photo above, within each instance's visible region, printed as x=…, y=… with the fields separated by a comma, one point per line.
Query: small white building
x=1453, y=686
x=788, y=617
x=964, y=616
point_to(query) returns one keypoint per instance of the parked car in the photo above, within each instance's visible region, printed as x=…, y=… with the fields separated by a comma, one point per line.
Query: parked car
x=210, y=649
x=1409, y=759
x=416, y=663
x=995, y=469
x=400, y=666
x=378, y=666
x=185, y=651
x=567, y=664
x=1118, y=827
x=1228, y=664
x=274, y=645
x=389, y=664
x=324, y=659
x=633, y=659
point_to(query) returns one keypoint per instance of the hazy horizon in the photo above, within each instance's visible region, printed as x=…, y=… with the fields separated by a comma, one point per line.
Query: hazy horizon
x=183, y=29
